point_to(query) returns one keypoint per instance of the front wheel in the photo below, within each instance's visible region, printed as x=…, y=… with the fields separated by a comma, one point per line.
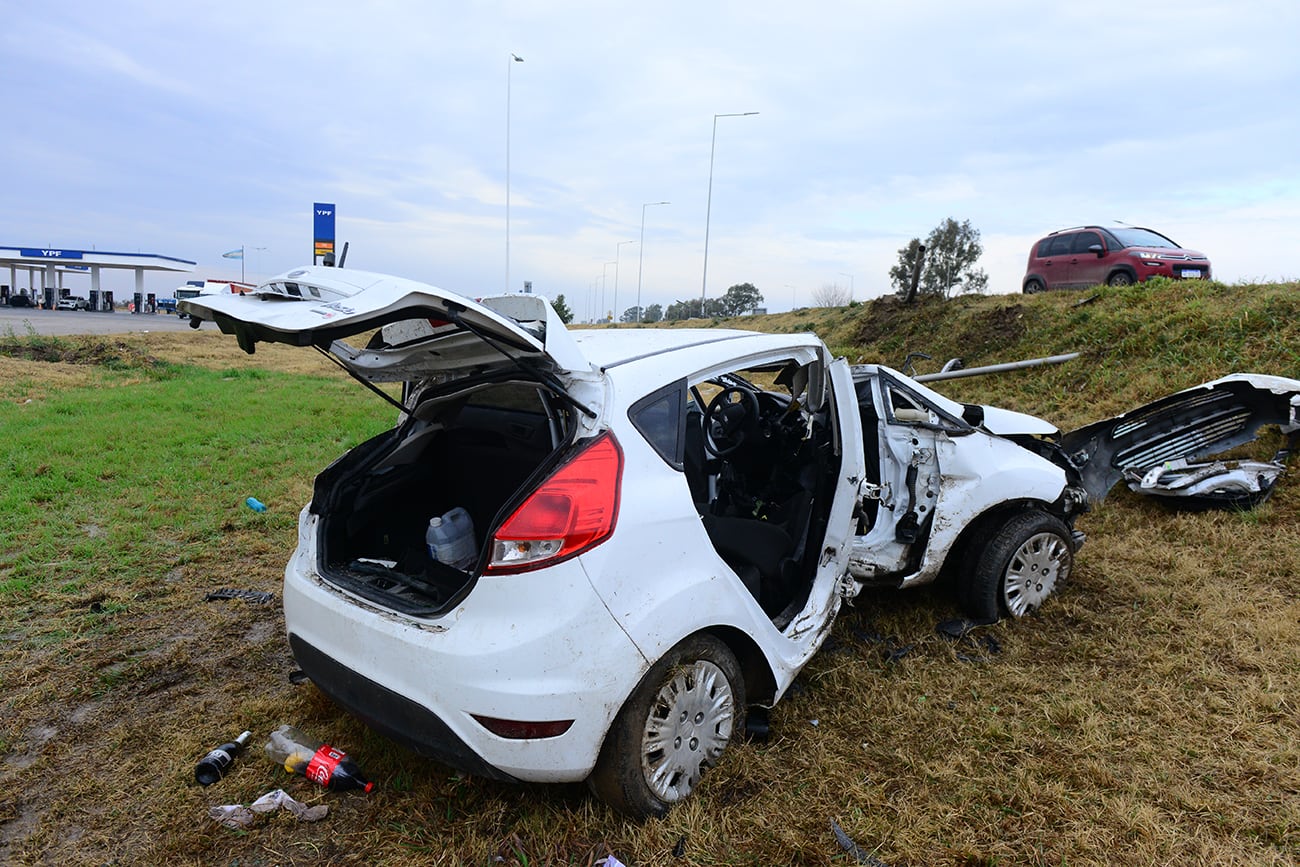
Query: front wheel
x=1033, y=287
x=1024, y=562
x=674, y=727
x=1120, y=278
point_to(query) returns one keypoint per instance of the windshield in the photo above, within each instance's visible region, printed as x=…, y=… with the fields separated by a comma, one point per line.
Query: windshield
x=1133, y=237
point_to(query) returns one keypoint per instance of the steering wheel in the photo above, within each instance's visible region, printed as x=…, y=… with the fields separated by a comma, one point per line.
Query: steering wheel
x=728, y=421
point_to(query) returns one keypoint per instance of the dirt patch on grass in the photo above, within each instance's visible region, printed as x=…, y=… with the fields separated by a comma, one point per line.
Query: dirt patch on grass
x=883, y=317
x=215, y=350
x=989, y=330
x=110, y=353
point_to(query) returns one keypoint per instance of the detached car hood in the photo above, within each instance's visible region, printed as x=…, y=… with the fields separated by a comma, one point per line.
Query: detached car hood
x=1189, y=425
x=424, y=330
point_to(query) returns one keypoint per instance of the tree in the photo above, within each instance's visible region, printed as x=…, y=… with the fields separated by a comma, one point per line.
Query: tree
x=631, y=314
x=830, y=295
x=653, y=313
x=951, y=251
x=680, y=310
x=562, y=310
x=740, y=299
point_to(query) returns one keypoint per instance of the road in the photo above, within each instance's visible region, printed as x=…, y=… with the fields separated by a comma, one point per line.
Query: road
x=57, y=323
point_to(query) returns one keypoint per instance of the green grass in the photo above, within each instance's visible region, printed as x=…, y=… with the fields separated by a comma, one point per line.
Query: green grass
x=125, y=481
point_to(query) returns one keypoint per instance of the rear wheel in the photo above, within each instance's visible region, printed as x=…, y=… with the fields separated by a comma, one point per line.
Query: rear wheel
x=1025, y=561
x=1120, y=278
x=1033, y=287
x=673, y=728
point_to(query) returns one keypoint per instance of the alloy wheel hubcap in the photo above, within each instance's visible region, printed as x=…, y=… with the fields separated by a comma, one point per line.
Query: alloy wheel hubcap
x=1033, y=573
x=688, y=728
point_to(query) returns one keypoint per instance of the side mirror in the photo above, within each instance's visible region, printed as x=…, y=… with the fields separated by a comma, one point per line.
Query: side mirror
x=1097, y=248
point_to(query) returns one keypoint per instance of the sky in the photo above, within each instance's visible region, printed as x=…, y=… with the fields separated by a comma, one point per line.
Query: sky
x=192, y=129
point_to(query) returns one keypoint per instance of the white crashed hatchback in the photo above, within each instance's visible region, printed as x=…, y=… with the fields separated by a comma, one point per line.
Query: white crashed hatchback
x=664, y=524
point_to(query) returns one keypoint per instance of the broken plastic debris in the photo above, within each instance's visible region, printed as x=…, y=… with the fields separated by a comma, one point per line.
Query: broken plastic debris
x=255, y=504
x=611, y=861
x=1221, y=484
x=847, y=844
x=256, y=596
x=239, y=816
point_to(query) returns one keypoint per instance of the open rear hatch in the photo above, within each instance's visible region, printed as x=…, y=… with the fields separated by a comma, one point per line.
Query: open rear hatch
x=425, y=330
x=487, y=411
x=1187, y=426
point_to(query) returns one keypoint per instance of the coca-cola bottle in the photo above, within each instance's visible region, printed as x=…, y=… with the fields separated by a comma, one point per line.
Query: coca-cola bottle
x=318, y=762
x=212, y=767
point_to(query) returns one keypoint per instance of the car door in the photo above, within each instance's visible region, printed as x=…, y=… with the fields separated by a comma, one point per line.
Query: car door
x=1087, y=260
x=812, y=624
x=905, y=486
x=1056, y=261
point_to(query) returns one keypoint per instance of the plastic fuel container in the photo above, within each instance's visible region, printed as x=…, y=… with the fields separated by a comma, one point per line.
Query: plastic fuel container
x=451, y=539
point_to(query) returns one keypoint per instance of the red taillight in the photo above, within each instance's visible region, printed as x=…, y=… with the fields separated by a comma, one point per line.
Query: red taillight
x=574, y=510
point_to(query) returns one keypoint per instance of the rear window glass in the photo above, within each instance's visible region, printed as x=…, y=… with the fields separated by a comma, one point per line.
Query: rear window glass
x=1060, y=245
x=512, y=395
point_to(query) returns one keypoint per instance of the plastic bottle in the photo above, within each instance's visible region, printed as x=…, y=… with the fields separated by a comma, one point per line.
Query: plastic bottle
x=450, y=539
x=318, y=762
x=255, y=504
x=212, y=767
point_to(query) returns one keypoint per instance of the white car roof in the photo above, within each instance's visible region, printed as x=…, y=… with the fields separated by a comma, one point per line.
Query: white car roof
x=610, y=347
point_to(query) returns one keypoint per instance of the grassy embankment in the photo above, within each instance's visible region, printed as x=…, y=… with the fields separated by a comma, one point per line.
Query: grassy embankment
x=1147, y=715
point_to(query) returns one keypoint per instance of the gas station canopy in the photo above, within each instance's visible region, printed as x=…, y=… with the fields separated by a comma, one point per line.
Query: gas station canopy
x=53, y=263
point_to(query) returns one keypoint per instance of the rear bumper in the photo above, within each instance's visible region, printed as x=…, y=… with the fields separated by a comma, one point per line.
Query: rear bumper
x=415, y=727
x=535, y=647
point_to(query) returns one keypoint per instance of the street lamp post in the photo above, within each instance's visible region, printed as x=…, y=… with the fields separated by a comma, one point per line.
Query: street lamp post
x=617, y=250
x=604, y=276
x=640, y=314
x=850, y=276
x=708, y=211
x=514, y=58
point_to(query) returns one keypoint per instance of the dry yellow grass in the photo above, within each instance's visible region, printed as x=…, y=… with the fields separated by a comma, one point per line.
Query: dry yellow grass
x=1148, y=715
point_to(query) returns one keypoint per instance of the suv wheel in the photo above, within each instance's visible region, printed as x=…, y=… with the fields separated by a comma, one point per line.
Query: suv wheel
x=1033, y=287
x=1120, y=278
x=1025, y=561
x=673, y=728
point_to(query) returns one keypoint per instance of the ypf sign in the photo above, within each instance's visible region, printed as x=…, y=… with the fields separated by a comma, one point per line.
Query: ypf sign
x=322, y=230
x=52, y=255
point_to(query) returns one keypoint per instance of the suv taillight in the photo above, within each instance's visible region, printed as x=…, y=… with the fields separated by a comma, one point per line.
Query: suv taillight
x=573, y=511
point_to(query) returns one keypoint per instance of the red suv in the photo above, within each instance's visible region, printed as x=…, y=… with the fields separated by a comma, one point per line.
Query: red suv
x=1116, y=256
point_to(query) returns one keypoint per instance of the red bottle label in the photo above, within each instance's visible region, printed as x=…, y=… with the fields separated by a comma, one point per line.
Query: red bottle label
x=322, y=765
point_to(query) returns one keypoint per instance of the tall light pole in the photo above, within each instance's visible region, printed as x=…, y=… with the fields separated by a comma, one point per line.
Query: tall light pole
x=708, y=211
x=640, y=314
x=850, y=276
x=604, y=276
x=514, y=58
x=616, y=252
